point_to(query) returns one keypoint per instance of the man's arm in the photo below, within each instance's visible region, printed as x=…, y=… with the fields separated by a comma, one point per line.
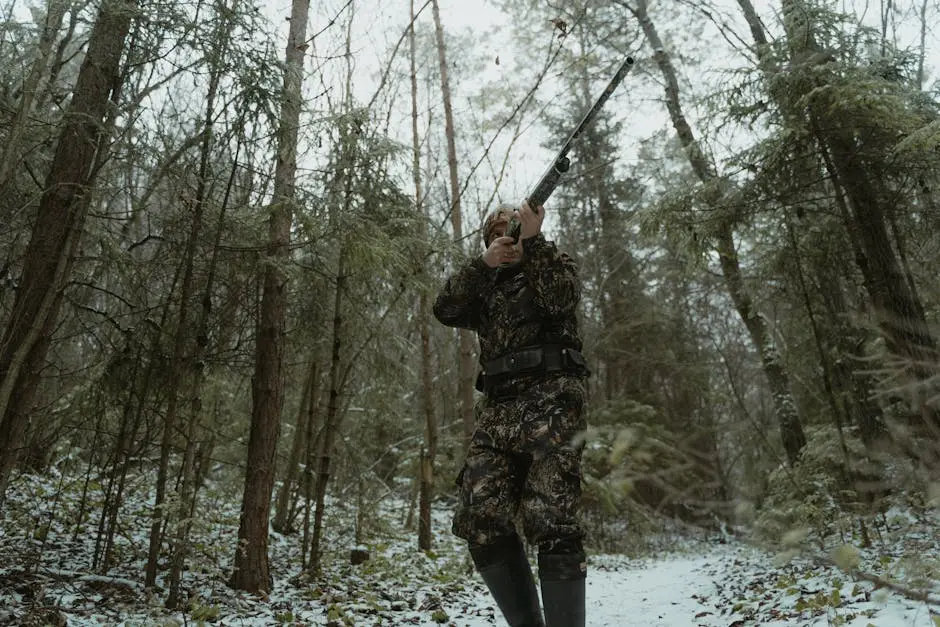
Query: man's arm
x=553, y=276
x=460, y=301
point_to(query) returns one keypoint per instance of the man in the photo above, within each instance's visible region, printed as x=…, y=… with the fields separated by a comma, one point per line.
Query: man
x=524, y=460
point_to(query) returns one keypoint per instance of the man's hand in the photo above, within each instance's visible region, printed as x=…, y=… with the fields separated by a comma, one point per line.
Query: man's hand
x=502, y=250
x=531, y=220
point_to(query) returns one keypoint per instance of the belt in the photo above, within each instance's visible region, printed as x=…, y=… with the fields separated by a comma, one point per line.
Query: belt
x=532, y=360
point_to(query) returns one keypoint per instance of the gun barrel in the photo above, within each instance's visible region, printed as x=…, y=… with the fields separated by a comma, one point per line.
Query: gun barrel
x=553, y=175
x=548, y=183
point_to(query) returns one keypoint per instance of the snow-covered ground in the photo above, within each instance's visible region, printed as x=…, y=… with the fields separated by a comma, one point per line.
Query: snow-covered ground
x=46, y=576
x=728, y=584
x=724, y=586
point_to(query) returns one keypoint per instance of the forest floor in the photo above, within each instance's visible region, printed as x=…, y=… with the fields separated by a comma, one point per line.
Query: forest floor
x=48, y=577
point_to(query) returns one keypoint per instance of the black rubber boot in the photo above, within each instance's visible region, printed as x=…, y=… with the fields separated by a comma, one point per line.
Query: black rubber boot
x=562, y=579
x=505, y=570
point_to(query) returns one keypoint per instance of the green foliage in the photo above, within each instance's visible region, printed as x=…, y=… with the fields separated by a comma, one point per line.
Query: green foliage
x=633, y=465
x=113, y=351
x=920, y=142
x=203, y=613
x=335, y=612
x=692, y=217
x=819, y=494
x=819, y=601
x=445, y=566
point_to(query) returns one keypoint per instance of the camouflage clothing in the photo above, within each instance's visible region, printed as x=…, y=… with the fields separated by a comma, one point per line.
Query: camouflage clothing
x=527, y=304
x=522, y=459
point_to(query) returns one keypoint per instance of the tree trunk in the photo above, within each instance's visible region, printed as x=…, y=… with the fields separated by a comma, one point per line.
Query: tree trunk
x=347, y=163
x=311, y=446
x=901, y=315
x=853, y=368
x=854, y=384
x=922, y=44
x=785, y=410
x=195, y=364
x=120, y=464
x=282, y=504
x=252, y=570
x=466, y=369
x=186, y=347
x=837, y=409
x=173, y=392
x=788, y=419
x=329, y=421
x=58, y=228
x=429, y=449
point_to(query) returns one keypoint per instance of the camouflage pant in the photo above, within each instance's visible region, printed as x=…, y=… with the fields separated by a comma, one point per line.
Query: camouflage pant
x=522, y=461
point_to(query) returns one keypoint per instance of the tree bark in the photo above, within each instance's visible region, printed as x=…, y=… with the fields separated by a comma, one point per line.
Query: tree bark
x=195, y=445
x=345, y=169
x=332, y=411
x=312, y=439
x=180, y=383
x=788, y=418
x=901, y=314
x=466, y=369
x=282, y=504
x=429, y=449
x=854, y=384
x=58, y=228
x=252, y=569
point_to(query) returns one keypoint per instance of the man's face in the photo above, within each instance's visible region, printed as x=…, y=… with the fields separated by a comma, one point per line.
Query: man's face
x=515, y=252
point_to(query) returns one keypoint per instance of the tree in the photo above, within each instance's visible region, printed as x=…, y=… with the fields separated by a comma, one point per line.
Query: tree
x=720, y=192
x=819, y=111
x=252, y=569
x=284, y=509
x=465, y=363
x=429, y=448
x=57, y=231
x=860, y=176
x=55, y=12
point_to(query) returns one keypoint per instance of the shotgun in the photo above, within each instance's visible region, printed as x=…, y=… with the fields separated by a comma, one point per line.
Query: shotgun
x=561, y=163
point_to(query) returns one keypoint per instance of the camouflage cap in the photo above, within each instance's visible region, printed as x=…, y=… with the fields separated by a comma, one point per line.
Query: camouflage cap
x=500, y=216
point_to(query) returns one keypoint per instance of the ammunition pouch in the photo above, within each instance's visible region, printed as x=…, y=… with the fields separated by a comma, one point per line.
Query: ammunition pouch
x=532, y=360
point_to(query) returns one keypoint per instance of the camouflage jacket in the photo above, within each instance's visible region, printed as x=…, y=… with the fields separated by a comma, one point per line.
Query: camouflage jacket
x=531, y=303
